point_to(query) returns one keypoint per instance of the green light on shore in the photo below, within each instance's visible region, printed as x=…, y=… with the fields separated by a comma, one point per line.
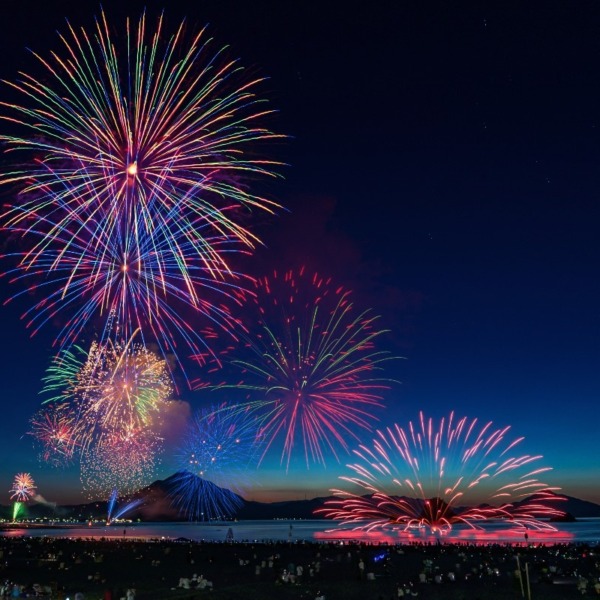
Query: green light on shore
x=17, y=509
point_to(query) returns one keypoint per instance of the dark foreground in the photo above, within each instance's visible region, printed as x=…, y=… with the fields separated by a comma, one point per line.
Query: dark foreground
x=159, y=569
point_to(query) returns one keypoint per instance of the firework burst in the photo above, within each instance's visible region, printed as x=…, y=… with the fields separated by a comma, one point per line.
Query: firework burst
x=23, y=488
x=200, y=499
x=315, y=373
x=113, y=389
x=55, y=430
x=218, y=450
x=221, y=445
x=123, y=387
x=126, y=459
x=424, y=476
x=135, y=179
x=112, y=399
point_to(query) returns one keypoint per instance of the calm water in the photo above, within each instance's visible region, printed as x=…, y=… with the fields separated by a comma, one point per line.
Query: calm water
x=585, y=530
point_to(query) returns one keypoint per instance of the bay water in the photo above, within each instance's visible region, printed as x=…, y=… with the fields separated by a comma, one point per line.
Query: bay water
x=582, y=531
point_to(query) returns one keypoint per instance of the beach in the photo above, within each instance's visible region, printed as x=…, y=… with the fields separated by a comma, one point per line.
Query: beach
x=106, y=568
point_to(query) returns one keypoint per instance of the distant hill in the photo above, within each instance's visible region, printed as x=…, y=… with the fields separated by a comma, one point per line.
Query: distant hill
x=157, y=505
x=580, y=509
x=290, y=509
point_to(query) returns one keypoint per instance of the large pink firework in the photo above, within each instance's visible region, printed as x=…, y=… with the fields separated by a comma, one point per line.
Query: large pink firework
x=314, y=372
x=435, y=475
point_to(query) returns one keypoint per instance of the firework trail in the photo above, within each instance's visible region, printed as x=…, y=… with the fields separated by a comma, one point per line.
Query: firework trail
x=122, y=511
x=426, y=474
x=315, y=373
x=137, y=154
x=112, y=503
x=23, y=488
x=18, y=509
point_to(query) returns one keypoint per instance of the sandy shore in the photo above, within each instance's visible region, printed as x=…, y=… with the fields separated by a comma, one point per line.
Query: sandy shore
x=104, y=568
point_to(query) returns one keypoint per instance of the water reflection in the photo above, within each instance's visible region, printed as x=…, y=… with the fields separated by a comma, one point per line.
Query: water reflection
x=585, y=530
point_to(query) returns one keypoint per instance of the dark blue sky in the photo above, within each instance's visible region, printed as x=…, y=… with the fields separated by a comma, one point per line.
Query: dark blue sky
x=443, y=164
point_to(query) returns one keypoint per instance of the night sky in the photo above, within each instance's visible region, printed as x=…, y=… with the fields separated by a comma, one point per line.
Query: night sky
x=443, y=164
